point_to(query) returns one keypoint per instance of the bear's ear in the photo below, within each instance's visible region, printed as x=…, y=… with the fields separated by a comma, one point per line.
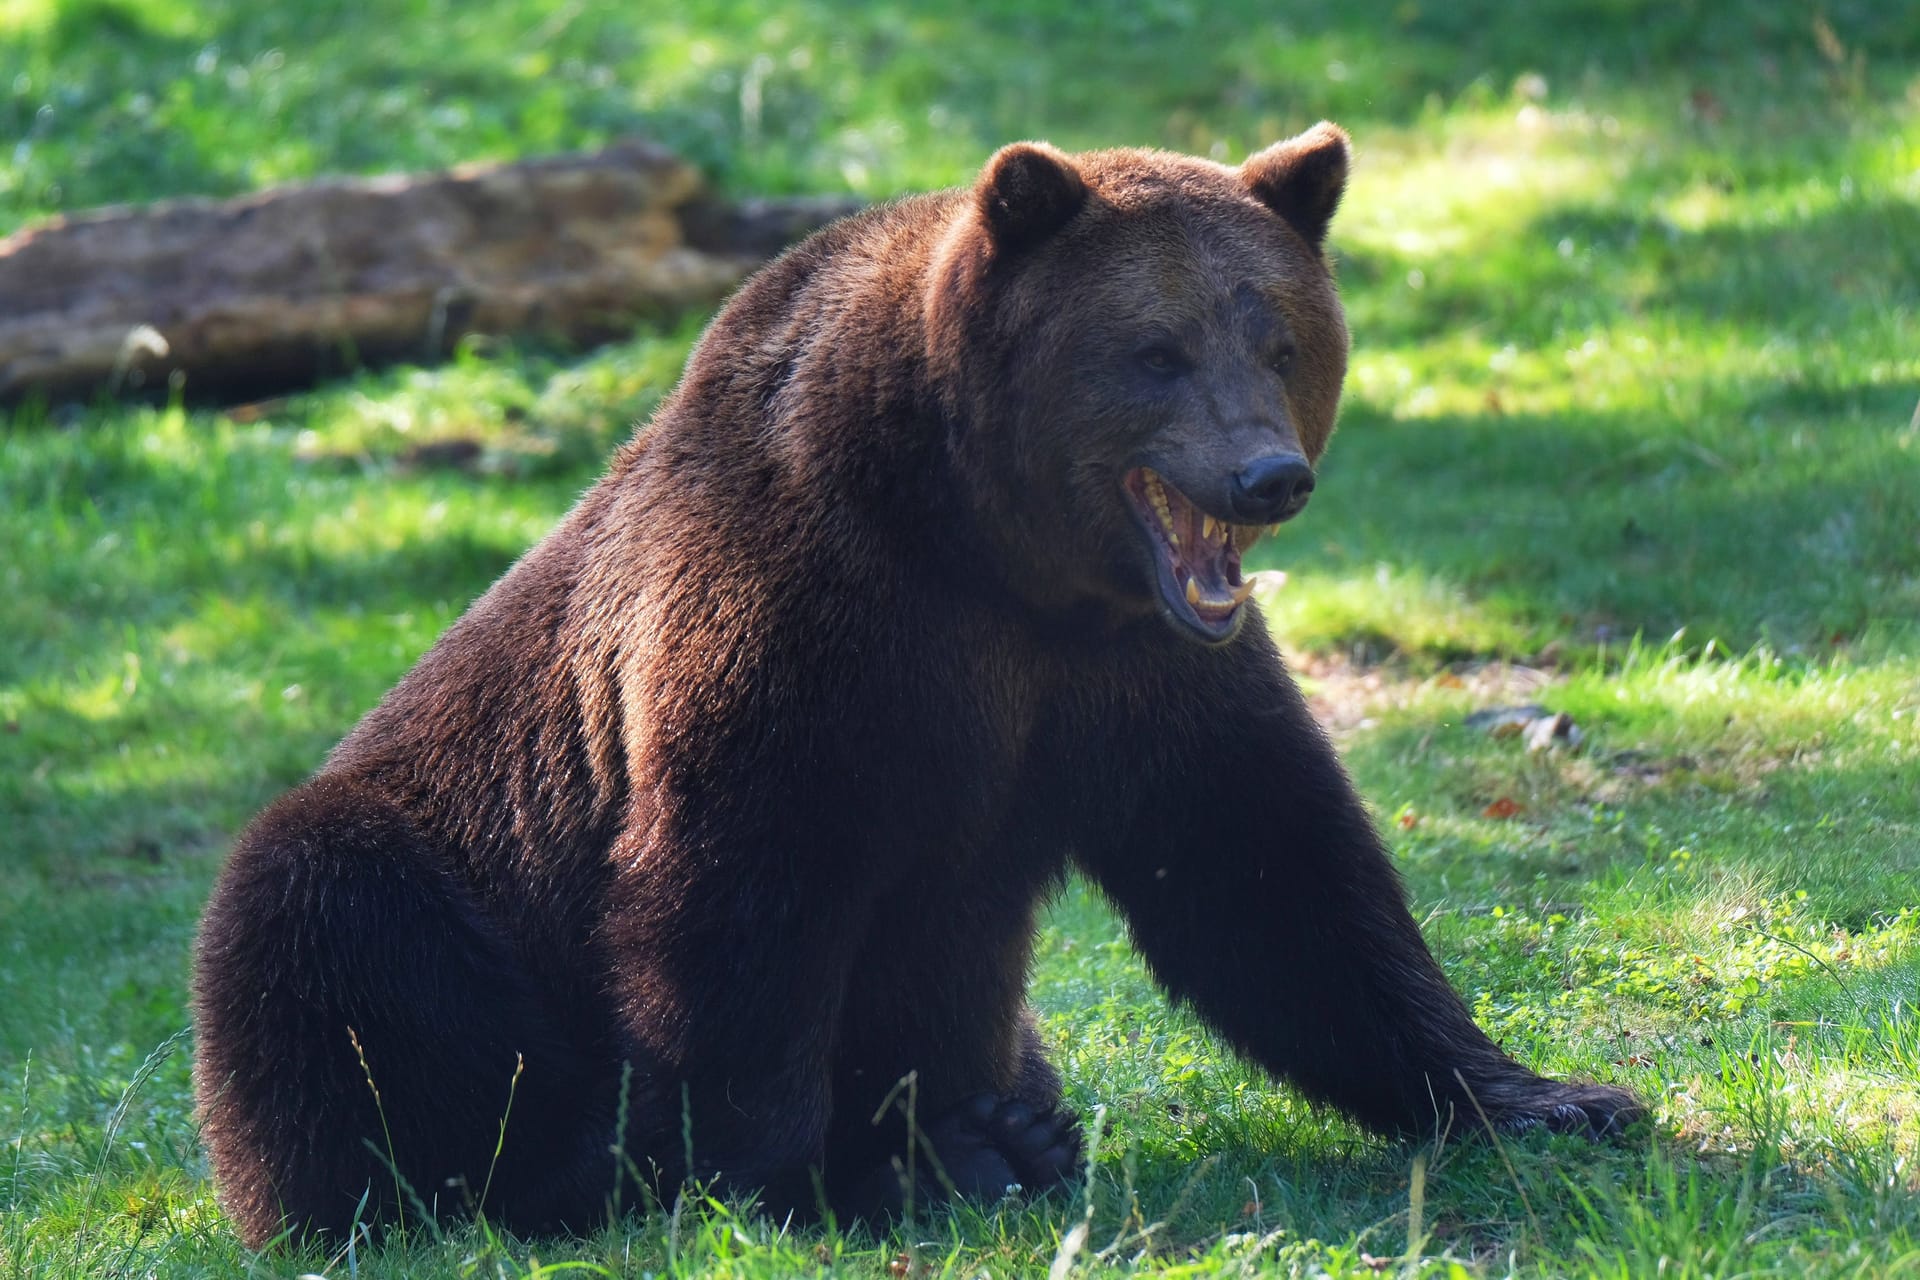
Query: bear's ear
x=1026, y=193
x=1302, y=179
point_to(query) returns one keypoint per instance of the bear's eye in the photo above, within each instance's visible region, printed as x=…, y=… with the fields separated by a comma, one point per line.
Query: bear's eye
x=1282, y=359
x=1161, y=360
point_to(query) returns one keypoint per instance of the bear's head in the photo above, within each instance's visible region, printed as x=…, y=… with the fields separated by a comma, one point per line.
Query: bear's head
x=1141, y=355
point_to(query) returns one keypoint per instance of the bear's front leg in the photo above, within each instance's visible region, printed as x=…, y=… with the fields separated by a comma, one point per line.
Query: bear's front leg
x=1261, y=895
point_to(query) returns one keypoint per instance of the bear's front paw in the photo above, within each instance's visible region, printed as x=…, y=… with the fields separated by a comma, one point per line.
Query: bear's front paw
x=1590, y=1110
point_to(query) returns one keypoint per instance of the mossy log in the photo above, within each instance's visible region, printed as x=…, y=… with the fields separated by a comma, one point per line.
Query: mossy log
x=247, y=296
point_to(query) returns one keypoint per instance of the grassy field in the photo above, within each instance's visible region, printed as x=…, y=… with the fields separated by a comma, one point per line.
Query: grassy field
x=1631, y=434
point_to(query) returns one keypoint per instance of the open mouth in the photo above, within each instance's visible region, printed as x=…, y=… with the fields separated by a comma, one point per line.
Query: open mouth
x=1198, y=560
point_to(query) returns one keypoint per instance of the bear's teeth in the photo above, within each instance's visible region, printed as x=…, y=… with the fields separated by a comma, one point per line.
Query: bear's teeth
x=1206, y=525
x=1193, y=592
x=1157, y=495
x=1241, y=592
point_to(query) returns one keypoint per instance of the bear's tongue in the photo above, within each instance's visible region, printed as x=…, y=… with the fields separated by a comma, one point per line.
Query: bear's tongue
x=1204, y=553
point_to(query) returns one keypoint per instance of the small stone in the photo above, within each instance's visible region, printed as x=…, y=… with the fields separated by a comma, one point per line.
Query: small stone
x=1553, y=732
x=1504, y=722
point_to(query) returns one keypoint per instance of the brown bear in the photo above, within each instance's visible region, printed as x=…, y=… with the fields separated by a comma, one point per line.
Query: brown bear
x=731, y=805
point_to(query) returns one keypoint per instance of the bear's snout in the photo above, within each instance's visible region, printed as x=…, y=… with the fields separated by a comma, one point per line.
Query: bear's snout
x=1271, y=489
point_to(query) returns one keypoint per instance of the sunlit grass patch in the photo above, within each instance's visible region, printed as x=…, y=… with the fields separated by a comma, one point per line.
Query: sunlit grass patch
x=1387, y=610
x=18, y=17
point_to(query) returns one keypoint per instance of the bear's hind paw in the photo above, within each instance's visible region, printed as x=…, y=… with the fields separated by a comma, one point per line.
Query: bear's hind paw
x=989, y=1145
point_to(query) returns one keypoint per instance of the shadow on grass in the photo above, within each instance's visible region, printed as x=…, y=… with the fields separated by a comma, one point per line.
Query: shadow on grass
x=150, y=540
x=1811, y=275
x=1793, y=275
x=1609, y=524
x=174, y=655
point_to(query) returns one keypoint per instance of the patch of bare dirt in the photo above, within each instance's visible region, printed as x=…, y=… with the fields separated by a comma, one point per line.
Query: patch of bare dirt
x=1349, y=697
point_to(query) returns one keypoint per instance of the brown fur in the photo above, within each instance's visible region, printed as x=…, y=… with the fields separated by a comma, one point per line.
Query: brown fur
x=750, y=778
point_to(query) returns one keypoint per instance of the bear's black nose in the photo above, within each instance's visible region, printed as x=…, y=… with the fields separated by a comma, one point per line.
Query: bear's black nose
x=1271, y=489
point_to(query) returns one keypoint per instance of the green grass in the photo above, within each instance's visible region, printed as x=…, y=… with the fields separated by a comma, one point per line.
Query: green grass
x=1635, y=290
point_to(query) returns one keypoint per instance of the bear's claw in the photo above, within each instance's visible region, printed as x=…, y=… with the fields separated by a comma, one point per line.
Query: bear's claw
x=1589, y=1110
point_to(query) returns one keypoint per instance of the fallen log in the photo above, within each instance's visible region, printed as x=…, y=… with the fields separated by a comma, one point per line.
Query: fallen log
x=252, y=295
